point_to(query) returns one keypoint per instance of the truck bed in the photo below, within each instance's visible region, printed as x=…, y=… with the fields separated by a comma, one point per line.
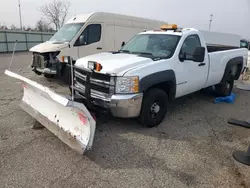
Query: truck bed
x=218, y=61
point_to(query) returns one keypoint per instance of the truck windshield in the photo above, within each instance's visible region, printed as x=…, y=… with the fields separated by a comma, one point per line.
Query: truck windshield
x=67, y=32
x=156, y=45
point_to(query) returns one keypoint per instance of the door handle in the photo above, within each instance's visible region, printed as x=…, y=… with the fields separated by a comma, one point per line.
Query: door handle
x=99, y=48
x=202, y=64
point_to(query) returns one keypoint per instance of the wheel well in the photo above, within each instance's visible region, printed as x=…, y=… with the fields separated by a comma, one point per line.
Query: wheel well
x=239, y=68
x=237, y=71
x=168, y=86
x=238, y=62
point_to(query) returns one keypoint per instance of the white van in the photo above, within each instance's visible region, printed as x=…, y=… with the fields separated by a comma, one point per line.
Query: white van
x=84, y=35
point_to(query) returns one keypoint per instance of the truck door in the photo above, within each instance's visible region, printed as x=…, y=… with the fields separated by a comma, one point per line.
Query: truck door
x=90, y=41
x=191, y=76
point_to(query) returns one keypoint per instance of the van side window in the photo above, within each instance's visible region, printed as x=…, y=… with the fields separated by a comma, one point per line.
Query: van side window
x=189, y=46
x=91, y=34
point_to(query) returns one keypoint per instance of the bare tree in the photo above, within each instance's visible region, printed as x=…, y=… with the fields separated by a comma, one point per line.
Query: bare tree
x=13, y=27
x=28, y=28
x=3, y=27
x=56, y=12
x=42, y=26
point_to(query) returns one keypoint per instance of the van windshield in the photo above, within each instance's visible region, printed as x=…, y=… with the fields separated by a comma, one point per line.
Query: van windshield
x=67, y=32
x=156, y=45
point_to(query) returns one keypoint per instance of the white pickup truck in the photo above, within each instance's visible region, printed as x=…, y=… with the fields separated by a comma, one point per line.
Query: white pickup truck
x=136, y=81
x=155, y=67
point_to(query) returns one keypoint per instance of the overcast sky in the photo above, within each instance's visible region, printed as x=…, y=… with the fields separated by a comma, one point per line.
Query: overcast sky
x=231, y=16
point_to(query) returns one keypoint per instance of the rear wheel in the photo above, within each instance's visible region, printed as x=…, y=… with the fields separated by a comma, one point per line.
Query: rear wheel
x=224, y=89
x=154, y=107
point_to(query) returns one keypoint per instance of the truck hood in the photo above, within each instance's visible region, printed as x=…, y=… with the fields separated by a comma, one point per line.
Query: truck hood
x=114, y=63
x=49, y=46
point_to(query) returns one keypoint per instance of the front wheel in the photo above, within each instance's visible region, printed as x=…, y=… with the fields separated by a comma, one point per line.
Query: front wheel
x=48, y=75
x=154, y=107
x=37, y=72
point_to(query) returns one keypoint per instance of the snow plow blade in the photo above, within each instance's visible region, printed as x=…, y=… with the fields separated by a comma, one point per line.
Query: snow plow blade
x=70, y=121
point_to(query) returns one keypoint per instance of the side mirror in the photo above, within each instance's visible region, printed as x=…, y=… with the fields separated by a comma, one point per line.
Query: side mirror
x=82, y=40
x=199, y=54
x=123, y=43
x=183, y=56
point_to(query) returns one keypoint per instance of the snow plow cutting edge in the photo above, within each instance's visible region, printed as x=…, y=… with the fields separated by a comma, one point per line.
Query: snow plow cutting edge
x=70, y=121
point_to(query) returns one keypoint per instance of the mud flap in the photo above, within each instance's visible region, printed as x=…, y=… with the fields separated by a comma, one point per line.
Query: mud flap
x=70, y=121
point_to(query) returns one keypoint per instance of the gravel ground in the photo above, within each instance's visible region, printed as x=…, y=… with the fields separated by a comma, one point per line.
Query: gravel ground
x=192, y=148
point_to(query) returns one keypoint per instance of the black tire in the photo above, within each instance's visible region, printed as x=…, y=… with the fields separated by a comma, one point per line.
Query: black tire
x=66, y=75
x=224, y=89
x=37, y=72
x=48, y=75
x=154, y=100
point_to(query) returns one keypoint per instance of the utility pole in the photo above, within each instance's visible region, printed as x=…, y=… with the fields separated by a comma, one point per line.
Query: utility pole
x=210, y=21
x=20, y=14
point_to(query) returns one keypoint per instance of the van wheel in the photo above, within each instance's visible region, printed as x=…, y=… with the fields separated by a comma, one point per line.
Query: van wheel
x=224, y=89
x=154, y=107
x=48, y=75
x=38, y=73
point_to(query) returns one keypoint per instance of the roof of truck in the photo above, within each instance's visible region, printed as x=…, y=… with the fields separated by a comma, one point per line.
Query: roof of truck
x=178, y=32
x=163, y=32
x=210, y=37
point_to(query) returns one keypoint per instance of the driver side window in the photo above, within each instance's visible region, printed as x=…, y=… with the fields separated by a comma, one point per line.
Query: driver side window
x=91, y=34
x=189, y=46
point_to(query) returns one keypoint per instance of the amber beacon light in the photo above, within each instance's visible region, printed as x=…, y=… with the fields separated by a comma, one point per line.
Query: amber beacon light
x=169, y=27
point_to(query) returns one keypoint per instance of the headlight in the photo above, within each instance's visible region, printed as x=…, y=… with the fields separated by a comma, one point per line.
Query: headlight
x=128, y=84
x=66, y=59
x=91, y=65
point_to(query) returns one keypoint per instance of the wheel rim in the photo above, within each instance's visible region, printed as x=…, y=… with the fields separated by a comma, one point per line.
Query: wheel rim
x=155, y=110
x=228, y=85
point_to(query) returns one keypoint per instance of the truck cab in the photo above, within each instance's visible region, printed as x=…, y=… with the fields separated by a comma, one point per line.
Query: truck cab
x=155, y=67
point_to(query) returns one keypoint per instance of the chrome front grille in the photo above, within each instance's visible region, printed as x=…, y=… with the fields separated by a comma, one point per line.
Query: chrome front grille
x=100, y=85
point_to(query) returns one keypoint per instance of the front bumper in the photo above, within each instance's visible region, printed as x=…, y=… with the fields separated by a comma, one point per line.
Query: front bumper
x=46, y=71
x=126, y=106
x=122, y=105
